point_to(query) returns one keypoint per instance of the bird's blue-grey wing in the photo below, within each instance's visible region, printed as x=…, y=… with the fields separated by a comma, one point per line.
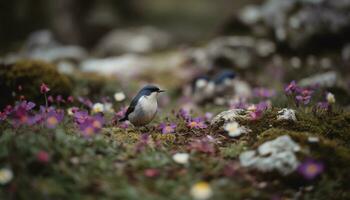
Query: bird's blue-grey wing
x=132, y=106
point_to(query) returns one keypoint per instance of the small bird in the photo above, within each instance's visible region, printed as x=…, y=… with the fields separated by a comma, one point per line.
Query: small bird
x=224, y=82
x=202, y=89
x=143, y=107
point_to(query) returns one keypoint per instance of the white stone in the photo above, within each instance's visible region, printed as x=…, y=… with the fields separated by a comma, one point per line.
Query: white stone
x=229, y=116
x=277, y=154
x=286, y=114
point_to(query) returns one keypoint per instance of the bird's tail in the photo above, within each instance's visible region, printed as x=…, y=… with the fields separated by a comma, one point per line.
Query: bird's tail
x=123, y=119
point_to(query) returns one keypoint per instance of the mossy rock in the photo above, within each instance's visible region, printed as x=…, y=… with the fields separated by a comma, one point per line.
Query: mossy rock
x=30, y=74
x=94, y=85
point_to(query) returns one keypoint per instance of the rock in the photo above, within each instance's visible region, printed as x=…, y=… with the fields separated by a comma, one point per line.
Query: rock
x=74, y=53
x=137, y=40
x=125, y=66
x=286, y=114
x=242, y=89
x=41, y=45
x=229, y=116
x=300, y=24
x=346, y=53
x=234, y=51
x=328, y=79
x=277, y=154
x=40, y=39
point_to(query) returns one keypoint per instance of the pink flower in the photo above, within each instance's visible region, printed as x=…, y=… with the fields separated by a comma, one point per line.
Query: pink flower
x=167, y=128
x=121, y=113
x=259, y=110
x=43, y=157
x=196, y=123
x=70, y=99
x=151, y=173
x=44, y=88
x=310, y=169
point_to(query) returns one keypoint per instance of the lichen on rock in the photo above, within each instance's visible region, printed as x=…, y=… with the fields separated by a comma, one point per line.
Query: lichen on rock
x=277, y=154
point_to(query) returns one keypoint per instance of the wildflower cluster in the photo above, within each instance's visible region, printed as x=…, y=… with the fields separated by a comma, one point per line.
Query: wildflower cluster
x=300, y=95
x=88, y=124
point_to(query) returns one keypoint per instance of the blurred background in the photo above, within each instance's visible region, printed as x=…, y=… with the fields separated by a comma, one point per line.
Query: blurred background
x=84, y=22
x=171, y=43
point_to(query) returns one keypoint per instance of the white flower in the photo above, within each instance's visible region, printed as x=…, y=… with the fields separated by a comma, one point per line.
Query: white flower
x=108, y=107
x=234, y=129
x=119, y=96
x=286, y=114
x=97, y=108
x=201, y=191
x=313, y=139
x=181, y=158
x=330, y=98
x=70, y=111
x=6, y=176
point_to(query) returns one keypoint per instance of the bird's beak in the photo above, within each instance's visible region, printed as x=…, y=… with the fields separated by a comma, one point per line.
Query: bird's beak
x=161, y=91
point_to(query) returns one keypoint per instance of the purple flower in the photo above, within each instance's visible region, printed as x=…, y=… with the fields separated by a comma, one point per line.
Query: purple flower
x=310, y=169
x=20, y=114
x=208, y=116
x=167, y=128
x=323, y=105
x=85, y=101
x=50, y=99
x=70, y=99
x=80, y=116
x=263, y=92
x=196, y=123
x=53, y=118
x=239, y=104
x=304, y=97
x=59, y=99
x=184, y=114
x=291, y=88
x=91, y=125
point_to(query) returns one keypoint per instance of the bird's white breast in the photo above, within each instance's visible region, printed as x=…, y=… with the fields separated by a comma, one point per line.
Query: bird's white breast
x=145, y=110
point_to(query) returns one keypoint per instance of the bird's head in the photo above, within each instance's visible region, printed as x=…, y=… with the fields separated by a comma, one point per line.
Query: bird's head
x=151, y=90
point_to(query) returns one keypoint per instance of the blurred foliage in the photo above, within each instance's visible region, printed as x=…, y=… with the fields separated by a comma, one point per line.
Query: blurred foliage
x=29, y=75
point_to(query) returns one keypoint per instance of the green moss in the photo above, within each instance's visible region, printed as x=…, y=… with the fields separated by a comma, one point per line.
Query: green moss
x=233, y=150
x=30, y=74
x=164, y=138
x=94, y=85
